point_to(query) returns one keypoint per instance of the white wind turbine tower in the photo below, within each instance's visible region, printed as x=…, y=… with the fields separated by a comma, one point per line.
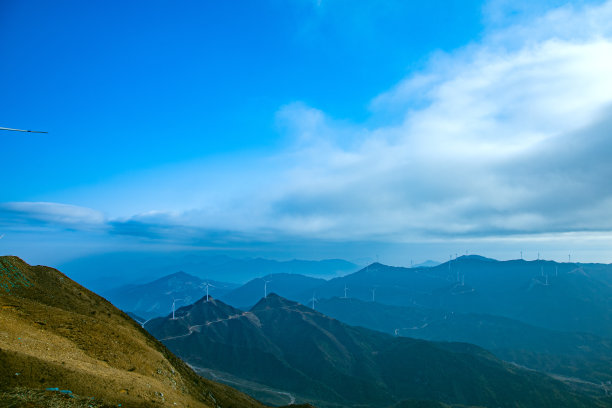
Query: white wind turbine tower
x=313, y=300
x=374, y=294
x=345, y=291
x=173, y=307
x=208, y=284
x=266, y=288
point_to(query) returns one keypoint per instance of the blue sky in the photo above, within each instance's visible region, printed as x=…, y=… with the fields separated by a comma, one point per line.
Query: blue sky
x=308, y=129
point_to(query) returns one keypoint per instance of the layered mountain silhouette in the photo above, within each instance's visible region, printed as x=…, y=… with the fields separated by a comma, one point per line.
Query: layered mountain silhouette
x=292, y=286
x=549, y=316
x=568, y=297
x=102, y=272
x=61, y=342
x=155, y=298
x=291, y=347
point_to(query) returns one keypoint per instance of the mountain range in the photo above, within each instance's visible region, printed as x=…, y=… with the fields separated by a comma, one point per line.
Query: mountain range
x=155, y=298
x=103, y=272
x=566, y=297
x=292, y=286
x=285, y=345
x=542, y=315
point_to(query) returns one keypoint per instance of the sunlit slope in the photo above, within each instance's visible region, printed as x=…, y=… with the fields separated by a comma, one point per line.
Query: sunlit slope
x=291, y=347
x=56, y=334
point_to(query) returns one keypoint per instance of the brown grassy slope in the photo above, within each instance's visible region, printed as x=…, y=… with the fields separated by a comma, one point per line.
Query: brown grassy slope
x=55, y=333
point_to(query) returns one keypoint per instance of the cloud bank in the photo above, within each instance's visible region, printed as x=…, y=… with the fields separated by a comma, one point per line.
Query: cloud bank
x=509, y=136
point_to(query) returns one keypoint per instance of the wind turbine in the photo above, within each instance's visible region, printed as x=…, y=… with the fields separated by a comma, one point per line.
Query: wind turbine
x=313, y=300
x=173, y=306
x=374, y=294
x=21, y=130
x=208, y=284
x=345, y=290
x=266, y=288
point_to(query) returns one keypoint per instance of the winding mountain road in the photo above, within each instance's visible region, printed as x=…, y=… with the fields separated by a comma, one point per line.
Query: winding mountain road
x=219, y=378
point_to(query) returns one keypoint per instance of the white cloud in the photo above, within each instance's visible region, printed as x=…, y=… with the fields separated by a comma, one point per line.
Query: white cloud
x=448, y=167
x=62, y=215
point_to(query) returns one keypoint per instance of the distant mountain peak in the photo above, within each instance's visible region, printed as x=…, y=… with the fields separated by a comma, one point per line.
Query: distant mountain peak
x=475, y=258
x=273, y=301
x=205, y=310
x=427, y=264
x=180, y=275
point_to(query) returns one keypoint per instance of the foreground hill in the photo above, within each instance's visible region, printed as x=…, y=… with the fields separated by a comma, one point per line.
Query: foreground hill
x=288, y=346
x=58, y=339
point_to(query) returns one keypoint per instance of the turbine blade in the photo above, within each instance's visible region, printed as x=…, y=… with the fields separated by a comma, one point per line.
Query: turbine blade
x=22, y=130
